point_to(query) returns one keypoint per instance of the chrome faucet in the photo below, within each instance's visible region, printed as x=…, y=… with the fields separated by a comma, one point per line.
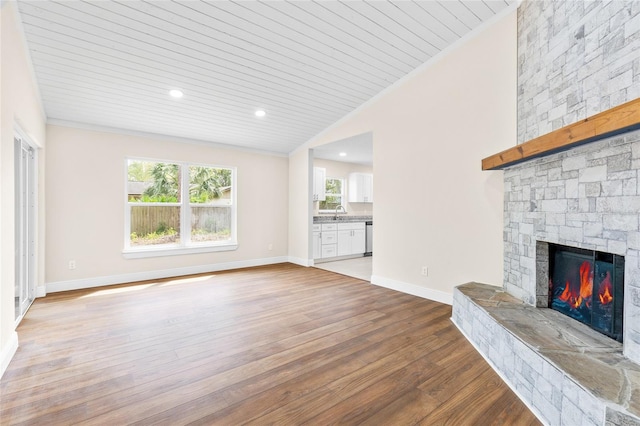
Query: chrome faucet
x=338, y=208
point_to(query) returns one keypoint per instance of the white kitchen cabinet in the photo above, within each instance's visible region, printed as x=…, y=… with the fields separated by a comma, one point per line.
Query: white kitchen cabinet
x=358, y=241
x=329, y=240
x=360, y=188
x=344, y=242
x=317, y=243
x=319, y=185
x=329, y=250
x=351, y=238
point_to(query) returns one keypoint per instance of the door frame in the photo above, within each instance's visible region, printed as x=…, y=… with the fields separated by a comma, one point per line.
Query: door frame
x=28, y=245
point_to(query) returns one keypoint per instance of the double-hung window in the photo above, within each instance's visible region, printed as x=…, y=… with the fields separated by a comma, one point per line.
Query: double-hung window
x=334, y=195
x=178, y=208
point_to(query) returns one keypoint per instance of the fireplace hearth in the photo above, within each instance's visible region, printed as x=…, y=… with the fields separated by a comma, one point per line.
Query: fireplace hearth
x=554, y=331
x=587, y=285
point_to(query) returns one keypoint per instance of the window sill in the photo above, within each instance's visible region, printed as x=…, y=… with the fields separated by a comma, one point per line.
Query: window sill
x=139, y=253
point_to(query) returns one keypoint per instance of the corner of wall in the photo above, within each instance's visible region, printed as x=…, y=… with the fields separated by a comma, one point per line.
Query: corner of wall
x=8, y=351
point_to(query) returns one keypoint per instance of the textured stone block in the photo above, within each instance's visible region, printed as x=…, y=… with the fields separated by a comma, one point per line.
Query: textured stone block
x=593, y=174
x=571, y=414
x=630, y=186
x=611, y=188
x=542, y=402
x=553, y=206
x=617, y=247
x=616, y=418
x=593, y=189
x=571, y=188
x=620, y=222
x=568, y=233
x=619, y=163
x=592, y=229
x=574, y=163
x=623, y=205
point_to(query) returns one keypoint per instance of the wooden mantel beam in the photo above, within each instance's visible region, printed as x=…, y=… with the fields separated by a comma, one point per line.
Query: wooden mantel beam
x=616, y=120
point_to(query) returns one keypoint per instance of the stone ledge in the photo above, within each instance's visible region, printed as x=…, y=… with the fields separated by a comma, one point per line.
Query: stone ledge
x=554, y=363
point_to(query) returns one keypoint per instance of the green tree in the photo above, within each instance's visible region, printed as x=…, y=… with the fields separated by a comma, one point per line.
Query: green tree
x=164, y=179
x=206, y=183
x=139, y=171
x=166, y=184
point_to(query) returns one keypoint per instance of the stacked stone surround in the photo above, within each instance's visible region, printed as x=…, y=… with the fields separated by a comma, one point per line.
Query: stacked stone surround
x=587, y=197
x=575, y=59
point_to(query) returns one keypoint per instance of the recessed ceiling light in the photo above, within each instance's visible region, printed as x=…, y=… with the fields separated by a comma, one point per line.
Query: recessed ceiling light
x=343, y=154
x=260, y=113
x=175, y=93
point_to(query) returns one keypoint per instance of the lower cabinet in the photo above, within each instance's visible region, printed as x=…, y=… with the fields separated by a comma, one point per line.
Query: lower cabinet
x=338, y=239
x=328, y=240
x=351, y=238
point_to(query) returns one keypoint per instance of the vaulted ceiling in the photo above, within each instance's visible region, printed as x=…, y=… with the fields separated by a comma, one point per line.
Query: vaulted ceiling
x=305, y=63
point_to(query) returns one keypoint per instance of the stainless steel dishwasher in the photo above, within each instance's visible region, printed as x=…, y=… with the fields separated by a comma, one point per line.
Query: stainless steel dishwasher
x=369, y=238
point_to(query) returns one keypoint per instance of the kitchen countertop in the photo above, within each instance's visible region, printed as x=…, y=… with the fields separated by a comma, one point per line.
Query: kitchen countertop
x=329, y=218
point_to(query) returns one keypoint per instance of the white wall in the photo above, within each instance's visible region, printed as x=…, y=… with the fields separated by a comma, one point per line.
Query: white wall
x=85, y=210
x=341, y=170
x=300, y=207
x=19, y=104
x=434, y=206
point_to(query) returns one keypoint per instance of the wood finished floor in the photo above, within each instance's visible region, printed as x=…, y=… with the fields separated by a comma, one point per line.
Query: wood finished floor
x=280, y=344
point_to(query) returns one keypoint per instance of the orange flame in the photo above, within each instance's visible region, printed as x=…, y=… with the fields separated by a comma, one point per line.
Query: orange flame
x=575, y=297
x=605, y=290
x=586, y=283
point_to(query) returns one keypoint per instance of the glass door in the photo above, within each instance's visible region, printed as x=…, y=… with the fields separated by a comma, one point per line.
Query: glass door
x=25, y=205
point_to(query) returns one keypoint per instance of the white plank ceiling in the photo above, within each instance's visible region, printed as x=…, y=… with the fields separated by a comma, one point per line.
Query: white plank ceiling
x=306, y=63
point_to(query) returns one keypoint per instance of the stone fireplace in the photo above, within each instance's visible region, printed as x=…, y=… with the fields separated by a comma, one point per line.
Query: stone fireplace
x=573, y=180
x=586, y=198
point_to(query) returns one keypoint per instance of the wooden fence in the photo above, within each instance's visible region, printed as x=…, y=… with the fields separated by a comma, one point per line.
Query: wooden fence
x=148, y=219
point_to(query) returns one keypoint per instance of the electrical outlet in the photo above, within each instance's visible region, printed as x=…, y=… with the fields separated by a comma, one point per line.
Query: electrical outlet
x=425, y=271
x=72, y=264
x=270, y=247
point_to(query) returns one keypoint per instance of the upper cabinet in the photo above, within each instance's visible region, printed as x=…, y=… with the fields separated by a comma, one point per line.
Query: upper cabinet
x=360, y=188
x=319, y=178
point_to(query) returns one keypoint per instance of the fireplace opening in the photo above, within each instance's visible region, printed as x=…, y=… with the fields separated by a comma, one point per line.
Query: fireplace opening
x=587, y=286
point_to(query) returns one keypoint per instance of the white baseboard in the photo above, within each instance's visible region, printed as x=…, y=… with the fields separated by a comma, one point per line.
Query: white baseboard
x=300, y=261
x=158, y=274
x=504, y=379
x=8, y=352
x=41, y=291
x=415, y=290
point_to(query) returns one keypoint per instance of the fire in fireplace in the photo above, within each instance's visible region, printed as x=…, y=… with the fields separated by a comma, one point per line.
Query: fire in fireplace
x=587, y=286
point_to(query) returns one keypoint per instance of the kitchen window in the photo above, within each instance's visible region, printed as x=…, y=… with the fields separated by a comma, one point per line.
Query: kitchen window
x=178, y=208
x=334, y=195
